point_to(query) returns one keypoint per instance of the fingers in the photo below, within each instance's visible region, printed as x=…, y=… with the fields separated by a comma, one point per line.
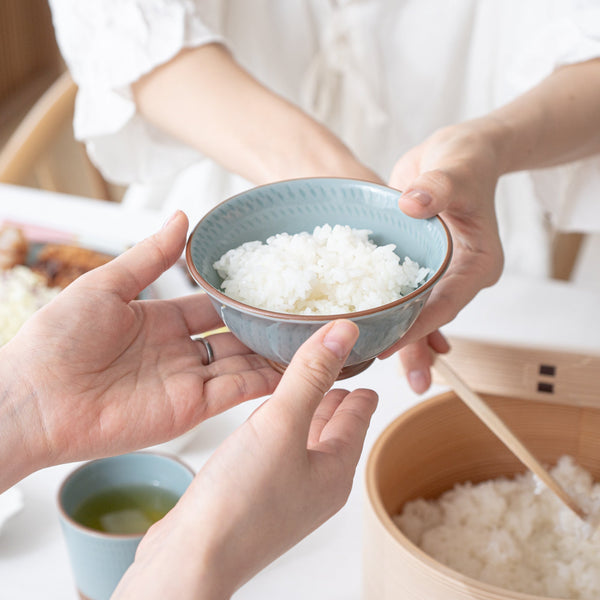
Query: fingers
x=428, y=195
x=468, y=274
x=222, y=347
x=405, y=170
x=344, y=433
x=438, y=342
x=312, y=372
x=198, y=313
x=138, y=267
x=416, y=360
x=236, y=379
x=324, y=412
x=439, y=310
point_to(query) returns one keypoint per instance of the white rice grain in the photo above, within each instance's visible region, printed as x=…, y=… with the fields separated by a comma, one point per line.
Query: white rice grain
x=334, y=270
x=503, y=533
x=22, y=292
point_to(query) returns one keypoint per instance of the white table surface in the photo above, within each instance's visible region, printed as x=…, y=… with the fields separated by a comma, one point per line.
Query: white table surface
x=327, y=564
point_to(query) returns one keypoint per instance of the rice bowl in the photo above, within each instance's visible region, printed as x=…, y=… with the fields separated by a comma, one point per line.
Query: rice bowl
x=298, y=206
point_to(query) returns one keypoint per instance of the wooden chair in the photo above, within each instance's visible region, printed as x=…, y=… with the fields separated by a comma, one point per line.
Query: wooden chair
x=566, y=248
x=42, y=152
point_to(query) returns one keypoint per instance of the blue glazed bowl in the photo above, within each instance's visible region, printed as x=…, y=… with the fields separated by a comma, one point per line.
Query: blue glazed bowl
x=300, y=205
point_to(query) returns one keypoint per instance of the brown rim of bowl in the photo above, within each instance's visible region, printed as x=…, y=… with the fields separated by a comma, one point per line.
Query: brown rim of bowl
x=440, y=570
x=103, y=534
x=224, y=299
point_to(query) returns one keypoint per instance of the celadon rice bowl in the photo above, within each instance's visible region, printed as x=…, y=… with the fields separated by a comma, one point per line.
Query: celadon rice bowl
x=299, y=206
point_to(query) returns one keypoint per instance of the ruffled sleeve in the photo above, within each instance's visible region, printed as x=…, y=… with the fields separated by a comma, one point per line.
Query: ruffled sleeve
x=108, y=45
x=569, y=193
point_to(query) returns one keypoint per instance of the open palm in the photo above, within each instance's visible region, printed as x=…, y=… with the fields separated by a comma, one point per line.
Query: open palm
x=108, y=373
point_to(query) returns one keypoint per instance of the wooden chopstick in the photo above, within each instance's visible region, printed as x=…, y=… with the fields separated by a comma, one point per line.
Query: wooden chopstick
x=500, y=429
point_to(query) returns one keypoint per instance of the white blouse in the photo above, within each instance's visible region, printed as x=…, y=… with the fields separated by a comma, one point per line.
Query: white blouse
x=382, y=74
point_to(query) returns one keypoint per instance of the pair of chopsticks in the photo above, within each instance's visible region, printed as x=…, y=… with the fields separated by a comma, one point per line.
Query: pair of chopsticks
x=499, y=428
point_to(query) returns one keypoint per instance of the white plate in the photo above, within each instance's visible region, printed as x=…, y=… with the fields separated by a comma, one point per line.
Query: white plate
x=11, y=502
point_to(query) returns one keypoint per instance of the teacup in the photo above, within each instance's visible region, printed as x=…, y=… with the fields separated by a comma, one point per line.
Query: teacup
x=107, y=505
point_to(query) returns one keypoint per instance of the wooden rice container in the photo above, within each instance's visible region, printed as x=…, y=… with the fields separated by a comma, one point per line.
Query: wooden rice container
x=439, y=443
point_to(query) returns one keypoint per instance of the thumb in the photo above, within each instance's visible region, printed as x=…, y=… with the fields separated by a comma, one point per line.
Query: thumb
x=131, y=272
x=427, y=195
x=312, y=371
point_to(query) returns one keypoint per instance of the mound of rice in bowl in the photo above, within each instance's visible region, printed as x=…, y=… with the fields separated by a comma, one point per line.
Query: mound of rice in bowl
x=332, y=270
x=514, y=533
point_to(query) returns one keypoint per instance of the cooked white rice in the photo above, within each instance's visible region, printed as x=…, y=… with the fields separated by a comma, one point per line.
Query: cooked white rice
x=22, y=292
x=514, y=534
x=331, y=271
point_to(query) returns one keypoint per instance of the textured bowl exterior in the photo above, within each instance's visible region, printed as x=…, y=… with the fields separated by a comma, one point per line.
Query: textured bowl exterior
x=278, y=340
x=301, y=205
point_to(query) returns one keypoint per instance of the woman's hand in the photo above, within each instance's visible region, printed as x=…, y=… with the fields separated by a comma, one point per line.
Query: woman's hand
x=96, y=372
x=273, y=481
x=454, y=174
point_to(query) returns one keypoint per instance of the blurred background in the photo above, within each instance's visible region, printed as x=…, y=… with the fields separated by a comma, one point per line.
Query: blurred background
x=37, y=96
x=29, y=59
x=37, y=147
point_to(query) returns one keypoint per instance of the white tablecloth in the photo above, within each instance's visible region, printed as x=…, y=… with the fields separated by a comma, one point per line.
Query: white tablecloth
x=327, y=564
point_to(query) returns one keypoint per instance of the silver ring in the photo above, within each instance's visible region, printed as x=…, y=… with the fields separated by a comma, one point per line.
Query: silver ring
x=210, y=355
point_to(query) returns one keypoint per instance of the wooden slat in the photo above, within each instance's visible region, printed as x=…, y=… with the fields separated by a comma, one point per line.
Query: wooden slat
x=27, y=43
x=549, y=375
x=36, y=131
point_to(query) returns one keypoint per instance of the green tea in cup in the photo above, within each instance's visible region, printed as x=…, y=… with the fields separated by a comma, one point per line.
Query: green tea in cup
x=125, y=509
x=105, y=508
